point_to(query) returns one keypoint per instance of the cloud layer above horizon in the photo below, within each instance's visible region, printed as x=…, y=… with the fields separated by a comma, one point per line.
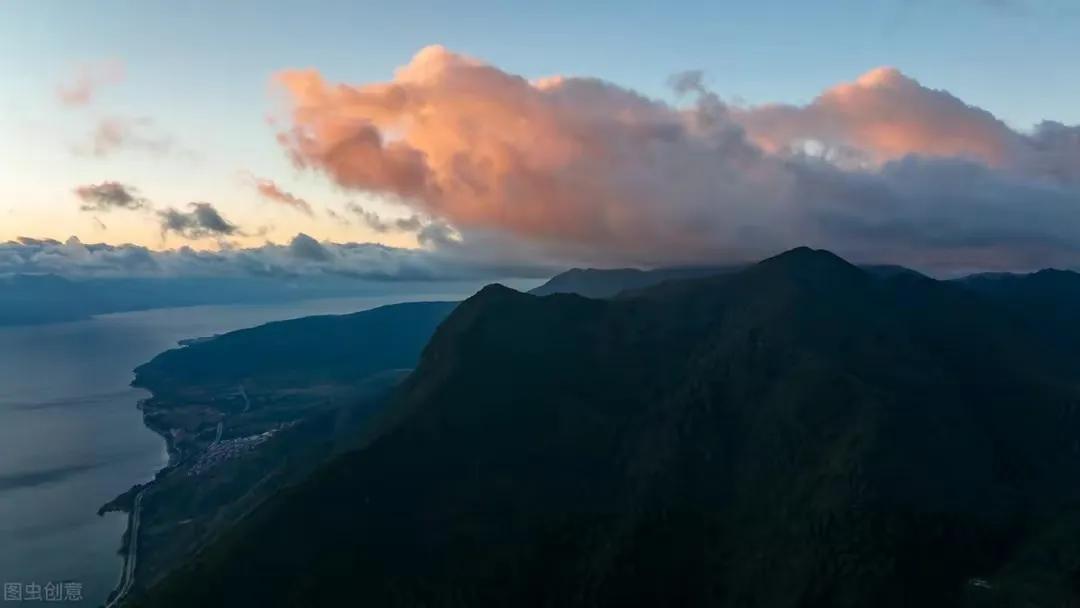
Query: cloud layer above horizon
x=302, y=257
x=881, y=169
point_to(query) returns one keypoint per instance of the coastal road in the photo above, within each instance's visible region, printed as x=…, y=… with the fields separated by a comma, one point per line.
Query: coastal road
x=127, y=576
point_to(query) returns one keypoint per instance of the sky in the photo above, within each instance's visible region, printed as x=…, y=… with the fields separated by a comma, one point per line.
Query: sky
x=904, y=131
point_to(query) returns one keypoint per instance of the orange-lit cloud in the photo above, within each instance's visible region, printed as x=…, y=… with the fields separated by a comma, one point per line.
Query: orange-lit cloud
x=593, y=171
x=573, y=160
x=885, y=115
x=270, y=191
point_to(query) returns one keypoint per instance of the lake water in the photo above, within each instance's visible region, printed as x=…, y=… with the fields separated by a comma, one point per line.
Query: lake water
x=71, y=437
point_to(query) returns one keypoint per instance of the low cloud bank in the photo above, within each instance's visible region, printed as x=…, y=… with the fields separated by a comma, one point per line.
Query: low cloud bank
x=304, y=256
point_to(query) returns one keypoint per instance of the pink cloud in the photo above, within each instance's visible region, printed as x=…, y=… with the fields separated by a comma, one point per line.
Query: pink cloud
x=270, y=191
x=886, y=115
x=82, y=89
x=592, y=171
x=567, y=159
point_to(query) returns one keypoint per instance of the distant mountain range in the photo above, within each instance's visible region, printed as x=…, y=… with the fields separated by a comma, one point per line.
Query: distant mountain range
x=607, y=283
x=612, y=282
x=800, y=432
x=33, y=299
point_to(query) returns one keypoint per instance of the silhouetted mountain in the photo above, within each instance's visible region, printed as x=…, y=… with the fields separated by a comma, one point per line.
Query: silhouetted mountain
x=610, y=282
x=308, y=351
x=1049, y=300
x=799, y=433
x=890, y=270
x=606, y=283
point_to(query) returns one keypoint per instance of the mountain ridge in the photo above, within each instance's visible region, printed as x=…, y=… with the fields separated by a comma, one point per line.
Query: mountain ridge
x=608, y=282
x=799, y=433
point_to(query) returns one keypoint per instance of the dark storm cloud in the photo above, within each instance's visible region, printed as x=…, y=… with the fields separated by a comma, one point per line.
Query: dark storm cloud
x=203, y=220
x=109, y=195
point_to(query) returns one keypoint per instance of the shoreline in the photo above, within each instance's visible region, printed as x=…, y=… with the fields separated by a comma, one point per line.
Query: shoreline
x=130, y=502
x=182, y=415
x=96, y=388
x=130, y=541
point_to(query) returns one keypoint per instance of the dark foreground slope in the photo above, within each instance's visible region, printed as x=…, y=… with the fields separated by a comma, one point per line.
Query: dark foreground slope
x=800, y=433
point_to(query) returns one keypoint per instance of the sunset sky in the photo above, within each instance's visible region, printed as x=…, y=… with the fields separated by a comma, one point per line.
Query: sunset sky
x=904, y=131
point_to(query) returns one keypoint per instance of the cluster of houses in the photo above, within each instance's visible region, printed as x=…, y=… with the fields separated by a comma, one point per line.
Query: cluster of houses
x=227, y=449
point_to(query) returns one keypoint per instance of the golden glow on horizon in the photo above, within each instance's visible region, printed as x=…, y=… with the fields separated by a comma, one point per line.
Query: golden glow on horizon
x=120, y=227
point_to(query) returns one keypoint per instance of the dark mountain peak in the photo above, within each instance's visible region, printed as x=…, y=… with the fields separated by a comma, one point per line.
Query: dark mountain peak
x=1056, y=274
x=495, y=291
x=490, y=299
x=805, y=256
x=808, y=265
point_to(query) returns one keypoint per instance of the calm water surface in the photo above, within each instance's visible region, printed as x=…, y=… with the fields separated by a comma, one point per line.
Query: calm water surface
x=71, y=437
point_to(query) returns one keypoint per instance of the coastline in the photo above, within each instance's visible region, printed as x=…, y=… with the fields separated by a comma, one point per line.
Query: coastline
x=68, y=407
x=130, y=502
x=188, y=509
x=122, y=503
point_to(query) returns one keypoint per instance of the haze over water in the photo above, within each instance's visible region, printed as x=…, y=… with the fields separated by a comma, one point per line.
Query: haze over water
x=72, y=439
